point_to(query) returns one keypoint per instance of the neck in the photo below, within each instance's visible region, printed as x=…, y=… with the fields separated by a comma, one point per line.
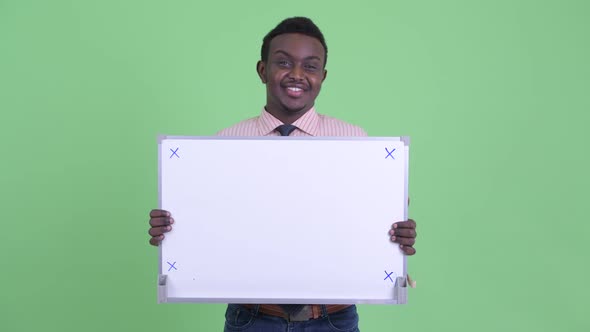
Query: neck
x=287, y=117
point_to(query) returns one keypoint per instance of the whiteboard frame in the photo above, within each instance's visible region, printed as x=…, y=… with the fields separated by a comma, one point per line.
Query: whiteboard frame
x=400, y=288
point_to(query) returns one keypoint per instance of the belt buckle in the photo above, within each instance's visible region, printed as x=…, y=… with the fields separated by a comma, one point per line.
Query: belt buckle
x=303, y=315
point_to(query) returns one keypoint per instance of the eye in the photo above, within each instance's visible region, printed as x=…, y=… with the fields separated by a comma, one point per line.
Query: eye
x=283, y=63
x=310, y=67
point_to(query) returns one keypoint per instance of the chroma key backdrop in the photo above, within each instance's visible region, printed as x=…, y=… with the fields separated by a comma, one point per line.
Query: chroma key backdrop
x=494, y=95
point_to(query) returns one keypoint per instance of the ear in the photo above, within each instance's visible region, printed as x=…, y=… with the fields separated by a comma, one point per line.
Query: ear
x=261, y=70
x=325, y=75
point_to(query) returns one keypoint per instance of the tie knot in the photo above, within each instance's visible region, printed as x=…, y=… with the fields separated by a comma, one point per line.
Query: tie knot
x=285, y=129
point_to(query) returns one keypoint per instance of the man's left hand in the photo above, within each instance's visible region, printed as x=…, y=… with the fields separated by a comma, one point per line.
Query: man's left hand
x=404, y=233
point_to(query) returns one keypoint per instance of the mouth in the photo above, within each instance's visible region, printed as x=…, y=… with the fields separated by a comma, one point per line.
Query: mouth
x=295, y=89
x=294, y=92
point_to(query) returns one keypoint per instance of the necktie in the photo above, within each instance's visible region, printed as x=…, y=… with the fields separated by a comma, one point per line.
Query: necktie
x=285, y=129
x=291, y=309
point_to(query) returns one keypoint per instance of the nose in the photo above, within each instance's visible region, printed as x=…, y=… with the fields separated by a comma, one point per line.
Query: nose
x=296, y=72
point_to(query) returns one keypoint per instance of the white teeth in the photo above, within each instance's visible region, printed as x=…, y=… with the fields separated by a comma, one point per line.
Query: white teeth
x=295, y=89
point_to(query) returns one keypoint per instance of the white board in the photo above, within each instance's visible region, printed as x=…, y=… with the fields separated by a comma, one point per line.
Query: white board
x=282, y=219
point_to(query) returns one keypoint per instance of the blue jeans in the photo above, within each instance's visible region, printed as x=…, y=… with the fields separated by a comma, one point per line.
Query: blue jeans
x=239, y=318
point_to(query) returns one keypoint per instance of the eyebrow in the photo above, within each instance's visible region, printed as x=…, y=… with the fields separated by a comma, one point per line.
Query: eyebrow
x=311, y=57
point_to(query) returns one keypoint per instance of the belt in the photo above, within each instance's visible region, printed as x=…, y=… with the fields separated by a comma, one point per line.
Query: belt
x=309, y=311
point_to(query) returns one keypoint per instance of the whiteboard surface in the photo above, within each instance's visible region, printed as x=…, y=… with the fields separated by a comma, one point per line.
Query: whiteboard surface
x=282, y=219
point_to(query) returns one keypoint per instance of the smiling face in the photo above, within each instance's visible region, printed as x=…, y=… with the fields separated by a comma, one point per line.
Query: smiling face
x=293, y=74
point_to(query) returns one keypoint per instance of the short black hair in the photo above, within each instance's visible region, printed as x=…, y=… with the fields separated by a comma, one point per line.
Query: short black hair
x=299, y=24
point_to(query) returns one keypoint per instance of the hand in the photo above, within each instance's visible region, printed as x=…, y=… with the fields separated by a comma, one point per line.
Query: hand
x=160, y=221
x=404, y=233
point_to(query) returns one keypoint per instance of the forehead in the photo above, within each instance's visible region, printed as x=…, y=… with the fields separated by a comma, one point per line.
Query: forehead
x=297, y=45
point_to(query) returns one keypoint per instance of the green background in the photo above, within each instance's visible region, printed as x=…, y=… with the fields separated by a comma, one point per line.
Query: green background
x=494, y=95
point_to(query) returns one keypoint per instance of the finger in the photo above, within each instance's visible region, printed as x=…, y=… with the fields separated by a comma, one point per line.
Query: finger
x=410, y=223
x=405, y=241
x=405, y=232
x=161, y=221
x=159, y=213
x=408, y=250
x=157, y=231
x=156, y=240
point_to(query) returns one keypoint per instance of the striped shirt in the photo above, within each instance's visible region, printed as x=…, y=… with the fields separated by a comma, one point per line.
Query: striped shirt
x=310, y=124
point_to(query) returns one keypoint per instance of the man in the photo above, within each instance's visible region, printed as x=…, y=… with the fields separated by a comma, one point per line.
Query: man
x=292, y=66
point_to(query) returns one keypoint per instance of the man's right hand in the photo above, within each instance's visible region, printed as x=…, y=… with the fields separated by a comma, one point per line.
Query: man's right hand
x=160, y=221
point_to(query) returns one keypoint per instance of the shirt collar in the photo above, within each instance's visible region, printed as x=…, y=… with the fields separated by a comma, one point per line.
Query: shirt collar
x=307, y=123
